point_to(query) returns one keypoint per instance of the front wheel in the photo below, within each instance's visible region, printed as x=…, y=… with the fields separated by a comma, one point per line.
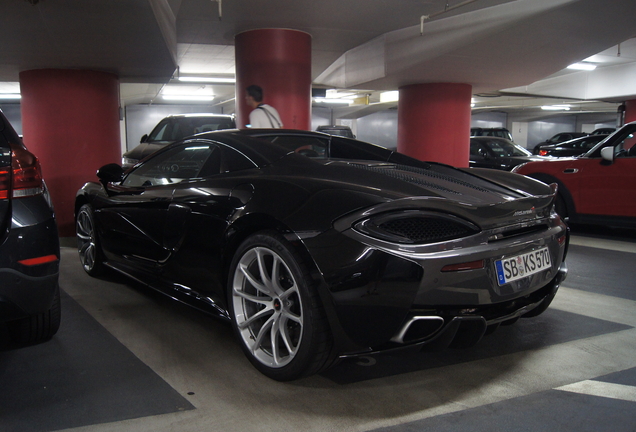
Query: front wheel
x=276, y=312
x=90, y=251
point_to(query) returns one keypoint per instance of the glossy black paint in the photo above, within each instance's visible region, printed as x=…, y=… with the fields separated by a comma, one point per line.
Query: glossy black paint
x=497, y=153
x=27, y=231
x=558, y=138
x=180, y=237
x=574, y=147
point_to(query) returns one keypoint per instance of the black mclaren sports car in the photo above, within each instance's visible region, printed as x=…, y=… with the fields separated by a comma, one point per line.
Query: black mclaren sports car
x=317, y=247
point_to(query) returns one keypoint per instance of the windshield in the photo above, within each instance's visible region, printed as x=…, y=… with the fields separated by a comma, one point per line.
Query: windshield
x=176, y=128
x=505, y=148
x=622, y=139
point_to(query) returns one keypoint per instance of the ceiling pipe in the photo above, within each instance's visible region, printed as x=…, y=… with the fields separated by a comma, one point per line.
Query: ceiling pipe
x=446, y=9
x=220, y=2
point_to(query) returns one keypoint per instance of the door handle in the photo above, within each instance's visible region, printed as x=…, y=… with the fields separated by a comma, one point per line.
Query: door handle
x=570, y=171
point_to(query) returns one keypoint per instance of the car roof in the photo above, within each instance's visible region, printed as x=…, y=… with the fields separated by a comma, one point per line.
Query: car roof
x=490, y=138
x=333, y=127
x=225, y=116
x=265, y=132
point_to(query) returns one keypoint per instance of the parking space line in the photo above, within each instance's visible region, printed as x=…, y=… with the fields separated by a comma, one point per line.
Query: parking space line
x=615, y=245
x=602, y=389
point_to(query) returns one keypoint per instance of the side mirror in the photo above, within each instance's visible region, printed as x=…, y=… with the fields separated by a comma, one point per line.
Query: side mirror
x=143, y=139
x=607, y=154
x=111, y=173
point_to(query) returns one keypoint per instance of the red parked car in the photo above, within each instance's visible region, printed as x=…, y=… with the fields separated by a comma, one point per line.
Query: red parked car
x=598, y=187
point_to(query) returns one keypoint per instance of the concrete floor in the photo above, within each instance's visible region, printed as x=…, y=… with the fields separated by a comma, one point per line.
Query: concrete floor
x=127, y=359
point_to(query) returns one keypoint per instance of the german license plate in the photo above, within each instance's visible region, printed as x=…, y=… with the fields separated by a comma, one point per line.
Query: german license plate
x=520, y=266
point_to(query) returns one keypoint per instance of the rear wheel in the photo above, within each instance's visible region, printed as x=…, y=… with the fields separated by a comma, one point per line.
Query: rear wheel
x=37, y=328
x=90, y=251
x=276, y=312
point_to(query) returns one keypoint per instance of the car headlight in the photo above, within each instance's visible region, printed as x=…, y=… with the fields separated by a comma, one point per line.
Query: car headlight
x=415, y=227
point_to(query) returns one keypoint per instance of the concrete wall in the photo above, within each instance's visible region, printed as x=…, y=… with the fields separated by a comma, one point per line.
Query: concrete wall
x=539, y=131
x=379, y=128
x=320, y=116
x=489, y=120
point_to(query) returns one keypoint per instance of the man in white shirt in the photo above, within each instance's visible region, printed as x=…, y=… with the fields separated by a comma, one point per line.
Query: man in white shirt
x=262, y=115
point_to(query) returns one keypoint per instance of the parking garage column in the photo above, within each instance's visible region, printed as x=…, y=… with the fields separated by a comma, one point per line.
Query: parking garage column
x=70, y=121
x=434, y=122
x=279, y=61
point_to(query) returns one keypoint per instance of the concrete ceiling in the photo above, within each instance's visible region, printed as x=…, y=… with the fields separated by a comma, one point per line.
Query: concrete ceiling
x=511, y=52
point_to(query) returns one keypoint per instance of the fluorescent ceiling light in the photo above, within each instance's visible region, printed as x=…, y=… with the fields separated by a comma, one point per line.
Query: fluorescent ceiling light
x=333, y=101
x=582, y=66
x=10, y=96
x=208, y=79
x=176, y=97
x=390, y=96
x=556, y=107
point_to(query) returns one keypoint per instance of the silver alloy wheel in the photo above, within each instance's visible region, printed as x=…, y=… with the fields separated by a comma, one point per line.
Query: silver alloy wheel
x=86, y=243
x=267, y=308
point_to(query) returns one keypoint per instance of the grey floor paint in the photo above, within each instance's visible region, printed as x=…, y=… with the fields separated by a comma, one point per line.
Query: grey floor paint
x=83, y=376
x=127, y=359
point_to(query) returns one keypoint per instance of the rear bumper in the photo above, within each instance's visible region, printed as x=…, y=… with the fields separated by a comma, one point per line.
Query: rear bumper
x=448, y=327
x=379, y=299
x=28, y=283
x=22, y=296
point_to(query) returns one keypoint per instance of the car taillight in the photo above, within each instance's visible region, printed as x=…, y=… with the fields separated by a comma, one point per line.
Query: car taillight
x=5, y=183
x=543, y=152
x=25, y=176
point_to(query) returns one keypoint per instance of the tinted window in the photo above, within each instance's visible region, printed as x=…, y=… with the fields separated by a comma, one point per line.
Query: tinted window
x=176, y=165
x=503, y=148
x=161, y=132
x=587, y=143
x=232, y=160
x=623, y=139
x=343, y=148
x=305, y=145
x=626, y=143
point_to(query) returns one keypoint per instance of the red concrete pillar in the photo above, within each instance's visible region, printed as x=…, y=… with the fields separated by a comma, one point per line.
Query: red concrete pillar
x=434, y=122
x=279, y=61
x=630, y=111
x=70, y=121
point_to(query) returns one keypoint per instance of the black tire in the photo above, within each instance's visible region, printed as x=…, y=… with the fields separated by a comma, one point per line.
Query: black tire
x=276, y=311
x=88, y=246
x=37, y=328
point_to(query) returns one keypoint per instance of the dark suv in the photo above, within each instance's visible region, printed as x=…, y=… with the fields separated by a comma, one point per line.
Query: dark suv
x=491, y=132
x=29, y=246
x=338, y=130
x=174, y=128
